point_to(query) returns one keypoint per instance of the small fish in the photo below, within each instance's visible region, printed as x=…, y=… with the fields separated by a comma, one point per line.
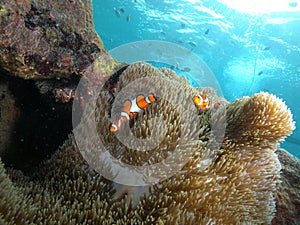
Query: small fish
x=182, y=25
x=186, y=69
x=207, y=31
x=117, y=13
x=132, y=108
x=201, y=101
x=266, y=48
x=293, y=4
x=260, y=73
x=193, y=44
x=122, y=10
x=128, y=18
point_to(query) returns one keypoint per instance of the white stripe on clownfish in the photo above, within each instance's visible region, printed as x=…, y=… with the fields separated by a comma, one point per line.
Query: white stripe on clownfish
x=131, y=108
x=134, y=108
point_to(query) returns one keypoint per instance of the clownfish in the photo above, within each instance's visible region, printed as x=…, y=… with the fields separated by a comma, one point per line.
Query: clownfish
x=132, y=108
x=201, y=101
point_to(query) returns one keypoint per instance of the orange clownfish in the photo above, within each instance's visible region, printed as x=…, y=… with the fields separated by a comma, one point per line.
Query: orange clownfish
x=132, y=108
x=201, y=101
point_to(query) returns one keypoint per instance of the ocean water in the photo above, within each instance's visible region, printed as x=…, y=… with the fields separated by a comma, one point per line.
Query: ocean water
x=249, y=46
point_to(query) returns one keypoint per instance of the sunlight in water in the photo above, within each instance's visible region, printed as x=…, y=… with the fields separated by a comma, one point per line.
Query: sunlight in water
x=263, y=6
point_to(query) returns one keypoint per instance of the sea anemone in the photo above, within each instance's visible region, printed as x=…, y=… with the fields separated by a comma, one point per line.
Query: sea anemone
x=233, y=182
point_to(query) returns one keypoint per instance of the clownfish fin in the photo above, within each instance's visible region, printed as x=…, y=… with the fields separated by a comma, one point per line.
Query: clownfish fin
x=113, y=128
x=150, y=98
x=118, y=124
x=127, y=109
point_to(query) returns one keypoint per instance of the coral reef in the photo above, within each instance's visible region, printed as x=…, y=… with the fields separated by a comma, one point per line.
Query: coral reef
x=45, y=48
x=47, y=39
x=288, y=194
x=234, y=184
x=28, y=131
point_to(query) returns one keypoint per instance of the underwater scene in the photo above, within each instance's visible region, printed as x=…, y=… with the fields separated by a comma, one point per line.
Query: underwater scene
x=143, y=112
x=250, y=46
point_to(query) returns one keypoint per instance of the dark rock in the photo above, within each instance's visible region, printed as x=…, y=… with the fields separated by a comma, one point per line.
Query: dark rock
x=47, y=39
x=288, y=195
x=9, y=115
x=32, y=125
x=52, y=44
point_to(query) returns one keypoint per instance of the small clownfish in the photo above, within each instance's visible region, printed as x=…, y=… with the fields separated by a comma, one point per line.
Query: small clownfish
x=132, y=108
x=201, y=101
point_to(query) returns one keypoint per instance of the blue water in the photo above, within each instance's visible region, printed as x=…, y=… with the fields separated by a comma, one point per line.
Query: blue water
x=248, y=50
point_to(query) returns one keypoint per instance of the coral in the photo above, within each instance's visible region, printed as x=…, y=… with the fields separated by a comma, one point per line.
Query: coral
x=28, y=131
x=233, y=184
x=261, y=120
x=48, y=39
x=288, y=194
